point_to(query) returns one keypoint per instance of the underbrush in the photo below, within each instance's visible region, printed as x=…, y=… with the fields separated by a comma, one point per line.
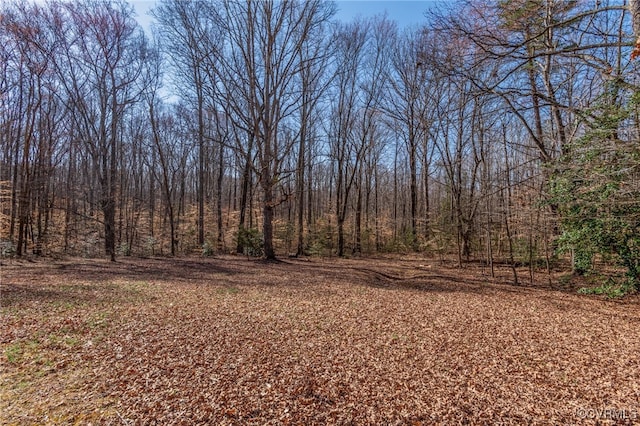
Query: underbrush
x=611, y=287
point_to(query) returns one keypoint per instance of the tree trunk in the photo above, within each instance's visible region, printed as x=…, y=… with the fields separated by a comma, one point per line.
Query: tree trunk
x=220, y=238
x=300, y=181
x=340, y=237
x=244, y=195
x=357, y=247
x=267, y=225
x=413, y=170
x=201, y=174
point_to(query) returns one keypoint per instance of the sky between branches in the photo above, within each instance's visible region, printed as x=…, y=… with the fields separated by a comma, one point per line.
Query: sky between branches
x=405, y=13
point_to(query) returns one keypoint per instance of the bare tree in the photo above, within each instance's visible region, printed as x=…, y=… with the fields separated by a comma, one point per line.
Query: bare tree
x=189, y=39
x=258, y=70
x=314, y=57
x=345, y=152
x=413, y=108
x=33, y=123
x=101, y=57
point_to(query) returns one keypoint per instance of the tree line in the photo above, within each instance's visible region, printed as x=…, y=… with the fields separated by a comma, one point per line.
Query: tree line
x=501, y=131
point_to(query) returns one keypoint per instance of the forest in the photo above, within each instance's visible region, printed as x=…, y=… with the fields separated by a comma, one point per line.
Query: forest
x=504, y=132
x=253, y=212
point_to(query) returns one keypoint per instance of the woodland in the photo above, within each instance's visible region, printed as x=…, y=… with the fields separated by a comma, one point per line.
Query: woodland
x=498, y=131
x=255, y=213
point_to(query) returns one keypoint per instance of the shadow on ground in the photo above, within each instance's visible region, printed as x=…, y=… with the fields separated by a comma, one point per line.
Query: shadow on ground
x=85, y=280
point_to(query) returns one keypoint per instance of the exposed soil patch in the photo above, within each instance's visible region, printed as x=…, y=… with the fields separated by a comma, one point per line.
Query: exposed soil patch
x=362, y=341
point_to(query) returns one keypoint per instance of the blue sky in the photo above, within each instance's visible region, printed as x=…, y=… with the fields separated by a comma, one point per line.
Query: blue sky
x=406, y=13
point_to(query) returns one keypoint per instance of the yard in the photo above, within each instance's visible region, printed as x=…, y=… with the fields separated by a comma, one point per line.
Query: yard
x=229, y=340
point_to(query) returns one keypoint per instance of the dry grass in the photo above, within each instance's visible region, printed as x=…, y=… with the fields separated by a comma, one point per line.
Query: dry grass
x=378, y=341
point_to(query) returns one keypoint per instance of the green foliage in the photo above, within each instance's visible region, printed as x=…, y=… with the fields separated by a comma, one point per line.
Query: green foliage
x=610, y=288
x=22, y=350
x=404, y=242
x=286, y=233
x=578, y=241
x=207, y=249
x=316, y=247
x=13, y=353
x=597, y=191
x=150, y=245
x=124, y=249
x=251, y=240
x=319, y=239
x=7, y=249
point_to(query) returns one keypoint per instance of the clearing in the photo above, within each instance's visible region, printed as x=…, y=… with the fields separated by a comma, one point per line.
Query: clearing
x=324, y=341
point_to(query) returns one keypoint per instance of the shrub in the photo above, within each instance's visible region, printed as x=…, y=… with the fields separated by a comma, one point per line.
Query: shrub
x=251, y=240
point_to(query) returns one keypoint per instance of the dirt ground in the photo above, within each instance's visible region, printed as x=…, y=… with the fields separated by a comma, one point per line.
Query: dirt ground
x=316, y=341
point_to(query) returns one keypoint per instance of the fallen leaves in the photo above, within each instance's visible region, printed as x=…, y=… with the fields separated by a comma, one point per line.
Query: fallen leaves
x=232, y=341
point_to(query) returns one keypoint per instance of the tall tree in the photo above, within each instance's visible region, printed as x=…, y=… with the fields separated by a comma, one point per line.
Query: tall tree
x=314, y=57
x=189, y=39
x=346, y=153
x=101, y=57
x=412, y=108
x=259, y=70
x=33, y=121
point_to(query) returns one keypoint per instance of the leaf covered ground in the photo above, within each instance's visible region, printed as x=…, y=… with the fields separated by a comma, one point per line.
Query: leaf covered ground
x=362, y=341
